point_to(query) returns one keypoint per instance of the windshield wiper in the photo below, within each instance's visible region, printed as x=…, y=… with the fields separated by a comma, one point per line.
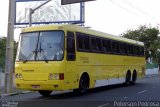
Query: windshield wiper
x=33, y=52
x=44, y=56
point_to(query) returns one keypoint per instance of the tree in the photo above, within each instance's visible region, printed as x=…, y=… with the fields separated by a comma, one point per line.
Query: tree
x=147, y=35
x=3, y=52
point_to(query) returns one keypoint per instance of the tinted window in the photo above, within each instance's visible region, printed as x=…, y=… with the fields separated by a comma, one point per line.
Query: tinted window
x=109, y=45
x=83, y=42
x=91, y=43
x=70, y=46
x=104, y=46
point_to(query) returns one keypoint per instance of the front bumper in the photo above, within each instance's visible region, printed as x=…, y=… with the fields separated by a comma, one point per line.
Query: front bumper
x=42, y=85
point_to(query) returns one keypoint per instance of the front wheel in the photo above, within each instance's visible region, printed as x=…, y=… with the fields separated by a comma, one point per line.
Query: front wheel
x=45, y=92
x=82, y=86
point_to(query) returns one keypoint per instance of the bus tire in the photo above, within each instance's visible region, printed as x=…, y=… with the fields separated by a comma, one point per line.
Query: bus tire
x=134, y=77
x=128, y=78
x=83, y=85
x=45, y=93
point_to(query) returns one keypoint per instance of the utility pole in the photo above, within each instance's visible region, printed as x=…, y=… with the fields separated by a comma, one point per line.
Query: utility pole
x=9, y=49
x=31, y=11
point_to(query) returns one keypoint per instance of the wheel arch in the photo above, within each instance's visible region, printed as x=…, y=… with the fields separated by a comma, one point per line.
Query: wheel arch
x=86, y=76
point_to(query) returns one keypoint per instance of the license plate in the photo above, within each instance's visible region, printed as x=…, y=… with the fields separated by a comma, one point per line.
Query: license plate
x=35, y=86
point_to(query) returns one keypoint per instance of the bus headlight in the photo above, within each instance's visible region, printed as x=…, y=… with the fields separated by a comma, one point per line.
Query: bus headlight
x=56, y=76
x=53, y=76
x=50, y=77
x=18, y=76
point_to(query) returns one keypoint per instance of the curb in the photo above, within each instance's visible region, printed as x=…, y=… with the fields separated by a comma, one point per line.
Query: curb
x=15, y=93
x=151, y=75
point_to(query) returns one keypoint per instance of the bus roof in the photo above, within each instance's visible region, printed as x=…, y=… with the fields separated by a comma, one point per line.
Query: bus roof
x=76, y=28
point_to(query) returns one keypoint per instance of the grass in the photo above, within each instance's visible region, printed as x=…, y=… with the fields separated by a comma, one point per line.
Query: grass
x=151, y=65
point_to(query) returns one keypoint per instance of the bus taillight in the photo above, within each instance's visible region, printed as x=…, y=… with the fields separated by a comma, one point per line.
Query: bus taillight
x=61, y=76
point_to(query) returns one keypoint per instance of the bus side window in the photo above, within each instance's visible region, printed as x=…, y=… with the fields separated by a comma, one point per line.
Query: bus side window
x=126, y=49
x=104, y=47
x=113, y=47
x=93, y=44
x=142, y=51
x=70, y=46
x=109, y=46
x=98, y=44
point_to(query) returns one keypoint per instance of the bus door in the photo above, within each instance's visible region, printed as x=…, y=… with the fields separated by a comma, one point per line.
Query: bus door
x=71, y=57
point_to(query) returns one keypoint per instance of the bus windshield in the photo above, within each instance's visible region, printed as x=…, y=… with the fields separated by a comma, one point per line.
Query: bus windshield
x=38, y=46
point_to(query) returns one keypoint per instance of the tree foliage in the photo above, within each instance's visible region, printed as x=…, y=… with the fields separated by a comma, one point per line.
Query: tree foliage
x=3, y=52
x=147, y=35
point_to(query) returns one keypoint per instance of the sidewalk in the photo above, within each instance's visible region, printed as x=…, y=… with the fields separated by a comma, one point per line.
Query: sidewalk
x=153, y=71
x=14, y=92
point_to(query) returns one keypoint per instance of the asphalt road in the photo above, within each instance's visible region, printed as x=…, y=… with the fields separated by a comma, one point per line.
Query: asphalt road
x=145, y=93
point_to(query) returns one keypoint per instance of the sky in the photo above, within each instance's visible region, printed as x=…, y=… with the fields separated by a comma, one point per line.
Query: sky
x=110, y=16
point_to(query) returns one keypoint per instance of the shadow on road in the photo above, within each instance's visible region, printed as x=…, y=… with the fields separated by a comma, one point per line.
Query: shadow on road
x=71, y=95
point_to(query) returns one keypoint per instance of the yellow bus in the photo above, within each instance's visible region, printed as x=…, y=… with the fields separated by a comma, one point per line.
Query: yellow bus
x=71, y=57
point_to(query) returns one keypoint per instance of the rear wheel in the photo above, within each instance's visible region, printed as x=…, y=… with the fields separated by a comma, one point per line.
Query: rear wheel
x=45, y=92
x=83, y=86
x=134, y=78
